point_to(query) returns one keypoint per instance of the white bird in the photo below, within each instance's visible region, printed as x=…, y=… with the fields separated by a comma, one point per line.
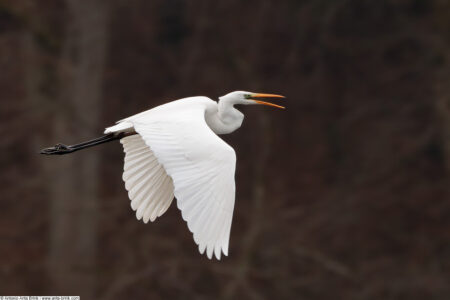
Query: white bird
x=173, y=150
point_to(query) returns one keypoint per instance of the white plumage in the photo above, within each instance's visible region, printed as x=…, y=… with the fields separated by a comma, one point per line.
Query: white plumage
x=176, y=152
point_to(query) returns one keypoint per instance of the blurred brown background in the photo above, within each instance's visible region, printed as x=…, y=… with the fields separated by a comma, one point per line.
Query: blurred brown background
x=344, y=195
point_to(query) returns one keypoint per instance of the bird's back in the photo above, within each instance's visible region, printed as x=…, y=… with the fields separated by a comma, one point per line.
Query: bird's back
x=182, y=107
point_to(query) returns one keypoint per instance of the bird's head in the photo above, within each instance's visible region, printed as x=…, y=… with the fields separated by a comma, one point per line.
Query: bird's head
x=242, y=97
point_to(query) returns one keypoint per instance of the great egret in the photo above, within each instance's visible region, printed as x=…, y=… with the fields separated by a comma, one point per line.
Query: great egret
x=173, y=150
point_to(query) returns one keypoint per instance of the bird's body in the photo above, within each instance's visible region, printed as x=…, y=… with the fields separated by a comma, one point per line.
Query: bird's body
x=227, y=123
x=173, y=150
x=221, y=117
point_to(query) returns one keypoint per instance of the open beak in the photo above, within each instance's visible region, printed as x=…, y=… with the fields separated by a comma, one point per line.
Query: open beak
x=257, y=97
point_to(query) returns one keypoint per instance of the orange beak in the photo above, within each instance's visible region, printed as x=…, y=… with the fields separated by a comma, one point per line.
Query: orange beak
x=255, y=98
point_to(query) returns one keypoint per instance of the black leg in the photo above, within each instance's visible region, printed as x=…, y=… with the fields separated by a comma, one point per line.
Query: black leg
x=60, y=149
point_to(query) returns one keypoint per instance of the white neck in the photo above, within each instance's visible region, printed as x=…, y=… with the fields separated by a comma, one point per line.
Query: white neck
x=226, y=118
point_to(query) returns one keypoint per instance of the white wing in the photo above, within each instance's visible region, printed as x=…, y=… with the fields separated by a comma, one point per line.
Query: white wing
x=149, y=187
x=202, y=168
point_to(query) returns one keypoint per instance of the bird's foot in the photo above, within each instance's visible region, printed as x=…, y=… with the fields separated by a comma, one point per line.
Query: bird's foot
x=57, y=149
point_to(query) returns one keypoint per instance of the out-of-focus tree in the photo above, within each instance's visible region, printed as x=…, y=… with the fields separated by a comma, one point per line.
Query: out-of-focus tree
x=74, y=195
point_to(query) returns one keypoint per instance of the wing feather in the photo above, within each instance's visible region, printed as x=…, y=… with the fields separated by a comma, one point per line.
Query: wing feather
x=153, y=194
x=143, y=176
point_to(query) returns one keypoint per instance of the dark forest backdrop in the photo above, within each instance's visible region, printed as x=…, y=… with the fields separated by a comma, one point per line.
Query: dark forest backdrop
x=344, y=195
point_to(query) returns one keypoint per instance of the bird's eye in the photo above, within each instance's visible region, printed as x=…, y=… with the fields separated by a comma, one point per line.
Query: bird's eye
x=247, y=96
